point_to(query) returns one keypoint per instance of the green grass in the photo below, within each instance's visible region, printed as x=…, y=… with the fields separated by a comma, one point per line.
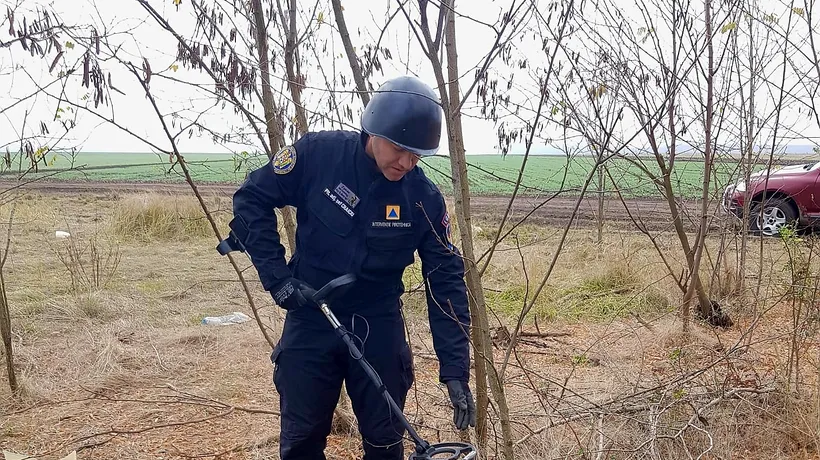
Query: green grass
x=614, y=293
x=488, y=174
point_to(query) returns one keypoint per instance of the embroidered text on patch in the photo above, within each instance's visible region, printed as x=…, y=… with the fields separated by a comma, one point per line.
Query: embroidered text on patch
x=332, y=197
x=284, y=160
x=392, y=224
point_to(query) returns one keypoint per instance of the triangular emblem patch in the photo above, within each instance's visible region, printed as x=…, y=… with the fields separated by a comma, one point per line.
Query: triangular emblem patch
x=393, y=212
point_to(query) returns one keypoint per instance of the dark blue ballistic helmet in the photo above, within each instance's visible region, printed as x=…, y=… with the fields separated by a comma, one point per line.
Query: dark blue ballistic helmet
x=405, y=111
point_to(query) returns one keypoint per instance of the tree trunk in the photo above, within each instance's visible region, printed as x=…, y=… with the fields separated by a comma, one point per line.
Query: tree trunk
x=461, y=188
x=276, y=135
x=358, y=75
x=294, y=76
x=601, y=191
x=746, y=168
x=5, y=331
x=700, y=242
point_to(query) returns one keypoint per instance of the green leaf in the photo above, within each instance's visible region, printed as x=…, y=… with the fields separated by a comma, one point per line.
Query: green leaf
x=174, y=67
x=728, y=27
x=321, y=18
x=798, y=11
x=676, y=354
x=69, y=45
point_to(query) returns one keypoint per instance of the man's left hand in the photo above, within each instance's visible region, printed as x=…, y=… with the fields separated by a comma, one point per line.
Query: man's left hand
x=463, y=404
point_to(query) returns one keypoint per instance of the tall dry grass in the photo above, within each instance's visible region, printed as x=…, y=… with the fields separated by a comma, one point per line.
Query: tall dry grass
x=157, y=216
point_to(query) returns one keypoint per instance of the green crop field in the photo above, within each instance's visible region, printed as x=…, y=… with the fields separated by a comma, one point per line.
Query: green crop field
x=488, y=174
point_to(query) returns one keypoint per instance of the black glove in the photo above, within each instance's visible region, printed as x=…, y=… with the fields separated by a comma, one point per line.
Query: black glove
x=292, y=293
x=463, y=404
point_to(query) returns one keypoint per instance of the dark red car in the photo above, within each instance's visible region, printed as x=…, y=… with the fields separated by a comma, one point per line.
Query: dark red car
x=792, y=196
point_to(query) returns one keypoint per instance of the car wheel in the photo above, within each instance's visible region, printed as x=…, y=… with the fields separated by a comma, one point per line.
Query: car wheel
x=777, y=213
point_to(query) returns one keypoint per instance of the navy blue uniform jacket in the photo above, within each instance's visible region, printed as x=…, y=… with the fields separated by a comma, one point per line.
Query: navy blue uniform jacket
x=351, y=219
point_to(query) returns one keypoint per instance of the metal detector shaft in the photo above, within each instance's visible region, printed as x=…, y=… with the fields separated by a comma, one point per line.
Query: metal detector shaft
x=421, y=444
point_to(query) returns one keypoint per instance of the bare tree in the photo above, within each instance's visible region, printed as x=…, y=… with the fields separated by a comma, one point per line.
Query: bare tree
x=430, y=39
x=40, y=35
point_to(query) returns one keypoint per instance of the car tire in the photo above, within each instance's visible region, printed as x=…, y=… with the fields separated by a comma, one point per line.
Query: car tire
x=777, y=213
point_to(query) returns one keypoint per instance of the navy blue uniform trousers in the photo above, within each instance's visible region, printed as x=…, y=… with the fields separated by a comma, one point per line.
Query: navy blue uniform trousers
x=310, y=363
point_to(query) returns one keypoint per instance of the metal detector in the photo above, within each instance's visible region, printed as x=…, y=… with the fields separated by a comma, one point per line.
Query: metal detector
x=424, y=450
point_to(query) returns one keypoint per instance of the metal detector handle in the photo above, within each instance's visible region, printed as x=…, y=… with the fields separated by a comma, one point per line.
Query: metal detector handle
x=322, y=298
x=333, y=287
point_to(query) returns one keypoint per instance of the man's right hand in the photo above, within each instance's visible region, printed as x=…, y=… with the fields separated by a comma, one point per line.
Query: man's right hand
x=292, y=293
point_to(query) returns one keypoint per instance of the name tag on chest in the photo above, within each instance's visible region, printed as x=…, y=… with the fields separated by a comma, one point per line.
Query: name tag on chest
x=346, y=200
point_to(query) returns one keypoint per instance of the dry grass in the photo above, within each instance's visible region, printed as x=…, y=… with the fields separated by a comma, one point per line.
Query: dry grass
x=166, y=217
x=132, y=354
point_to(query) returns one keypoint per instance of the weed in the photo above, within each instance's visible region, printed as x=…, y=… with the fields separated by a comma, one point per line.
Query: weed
x=91, y=263
x=612, y=294
x=92, y=307
x=155, y=286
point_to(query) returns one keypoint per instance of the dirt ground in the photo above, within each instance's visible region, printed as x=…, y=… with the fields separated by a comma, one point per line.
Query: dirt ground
x=651, y=213
x=123, y=367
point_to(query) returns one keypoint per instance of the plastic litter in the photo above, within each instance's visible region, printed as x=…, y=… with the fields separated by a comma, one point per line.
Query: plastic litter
x=61, y=234
x=226, y=320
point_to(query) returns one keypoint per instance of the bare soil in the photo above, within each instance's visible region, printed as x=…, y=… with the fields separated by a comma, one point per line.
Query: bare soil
x=627, y=214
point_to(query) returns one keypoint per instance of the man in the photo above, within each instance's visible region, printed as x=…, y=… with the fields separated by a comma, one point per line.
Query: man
x=363, y=207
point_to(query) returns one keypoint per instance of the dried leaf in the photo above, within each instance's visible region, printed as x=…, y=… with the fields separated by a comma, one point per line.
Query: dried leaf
x=10, y=15
x=54, y=62
x=86, y=63
x=146, y=67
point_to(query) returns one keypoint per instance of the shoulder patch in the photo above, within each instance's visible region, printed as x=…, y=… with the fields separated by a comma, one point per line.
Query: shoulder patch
x=284, y=160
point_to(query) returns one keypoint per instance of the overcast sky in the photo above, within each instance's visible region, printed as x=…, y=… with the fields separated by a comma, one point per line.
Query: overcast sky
x=134, y=111
x=140, y=36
